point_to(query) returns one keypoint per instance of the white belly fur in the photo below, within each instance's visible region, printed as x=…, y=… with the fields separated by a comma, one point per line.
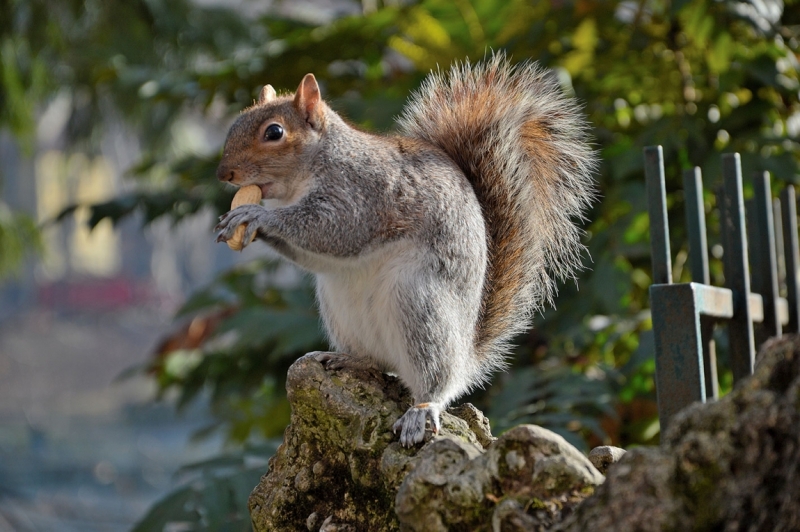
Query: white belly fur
x=363, y=316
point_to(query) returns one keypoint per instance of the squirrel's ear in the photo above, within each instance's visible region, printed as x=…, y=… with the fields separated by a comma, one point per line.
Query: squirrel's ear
x=307, y=100
x=267, y=95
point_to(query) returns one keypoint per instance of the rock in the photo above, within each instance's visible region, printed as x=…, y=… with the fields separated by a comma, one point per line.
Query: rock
x=340, y=468
x=455, y=486
x=476, y=421
x=605, y=455
x=729, y=465
x=327, y=471
x=510, y=516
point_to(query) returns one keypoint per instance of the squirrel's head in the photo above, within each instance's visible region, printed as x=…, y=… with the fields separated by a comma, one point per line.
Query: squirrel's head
x=271, y=142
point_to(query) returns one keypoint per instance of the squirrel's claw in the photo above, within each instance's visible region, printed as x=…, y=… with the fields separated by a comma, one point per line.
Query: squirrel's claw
x=252, y=215
x=329, y=359
x=220, y=226
x=226, y=231
x=412, y=424
x=249, y=231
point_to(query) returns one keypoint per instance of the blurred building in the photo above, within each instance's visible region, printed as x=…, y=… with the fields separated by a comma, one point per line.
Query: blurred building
x=81, y=450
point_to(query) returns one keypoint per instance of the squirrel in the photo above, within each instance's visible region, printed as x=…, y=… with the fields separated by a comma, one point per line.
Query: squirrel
x=433, y=248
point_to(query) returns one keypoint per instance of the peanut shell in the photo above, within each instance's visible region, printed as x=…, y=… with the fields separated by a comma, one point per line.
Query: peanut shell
x=249, y=195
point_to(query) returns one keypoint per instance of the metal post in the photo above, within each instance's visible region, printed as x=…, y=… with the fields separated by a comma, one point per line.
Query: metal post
x=709, y=357
x=765, y=262
x=720, y=193
x=696, y=225
x=737, y=272
x=791, y=255
x=657, y=206
x=698, y=260
x=777, y=217
x=780, y=255
x=677, y=313
x=680, y=376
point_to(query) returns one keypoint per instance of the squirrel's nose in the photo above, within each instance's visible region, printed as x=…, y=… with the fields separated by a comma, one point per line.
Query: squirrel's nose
x=225, y=173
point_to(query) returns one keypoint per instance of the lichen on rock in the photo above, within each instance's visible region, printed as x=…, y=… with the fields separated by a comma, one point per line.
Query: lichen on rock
x=605, y=456
x=456, y=486
x=327, y=468
x=340, y=468
x=733, y=464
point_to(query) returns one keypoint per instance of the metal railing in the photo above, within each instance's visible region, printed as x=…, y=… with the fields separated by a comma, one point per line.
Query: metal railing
x=684, y=315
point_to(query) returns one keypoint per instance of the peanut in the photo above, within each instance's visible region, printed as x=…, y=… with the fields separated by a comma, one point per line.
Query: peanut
x=249, y=195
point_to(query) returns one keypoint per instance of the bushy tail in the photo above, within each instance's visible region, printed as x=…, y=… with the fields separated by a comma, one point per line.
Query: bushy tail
x=523, y=145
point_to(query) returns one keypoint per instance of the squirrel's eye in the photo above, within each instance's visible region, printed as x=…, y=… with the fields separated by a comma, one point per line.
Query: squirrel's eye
x=273, y=132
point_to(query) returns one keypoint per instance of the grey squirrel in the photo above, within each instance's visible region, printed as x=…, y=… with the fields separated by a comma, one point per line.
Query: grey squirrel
x=431, y=249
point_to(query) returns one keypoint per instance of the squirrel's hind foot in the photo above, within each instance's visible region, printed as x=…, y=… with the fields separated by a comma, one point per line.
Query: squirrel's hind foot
x=412, y=424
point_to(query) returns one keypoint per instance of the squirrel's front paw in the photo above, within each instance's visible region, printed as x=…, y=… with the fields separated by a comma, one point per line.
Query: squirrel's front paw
x=253, y=216
x=412, y=424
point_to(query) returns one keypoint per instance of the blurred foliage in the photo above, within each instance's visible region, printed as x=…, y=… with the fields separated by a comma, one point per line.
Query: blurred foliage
x=699, y=77
x=242, y=332
x=18, y=236
x=213, y=495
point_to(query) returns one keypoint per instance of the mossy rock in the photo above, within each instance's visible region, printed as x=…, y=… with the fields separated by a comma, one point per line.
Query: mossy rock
x=341, y=468
x=729, y=465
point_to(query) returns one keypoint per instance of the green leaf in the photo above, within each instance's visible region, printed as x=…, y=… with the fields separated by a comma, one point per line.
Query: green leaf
x=203, y=301
x=19, y=237
x=174, y=508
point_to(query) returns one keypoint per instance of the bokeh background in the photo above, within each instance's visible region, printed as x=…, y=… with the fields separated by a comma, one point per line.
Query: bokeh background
x=142, y=365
